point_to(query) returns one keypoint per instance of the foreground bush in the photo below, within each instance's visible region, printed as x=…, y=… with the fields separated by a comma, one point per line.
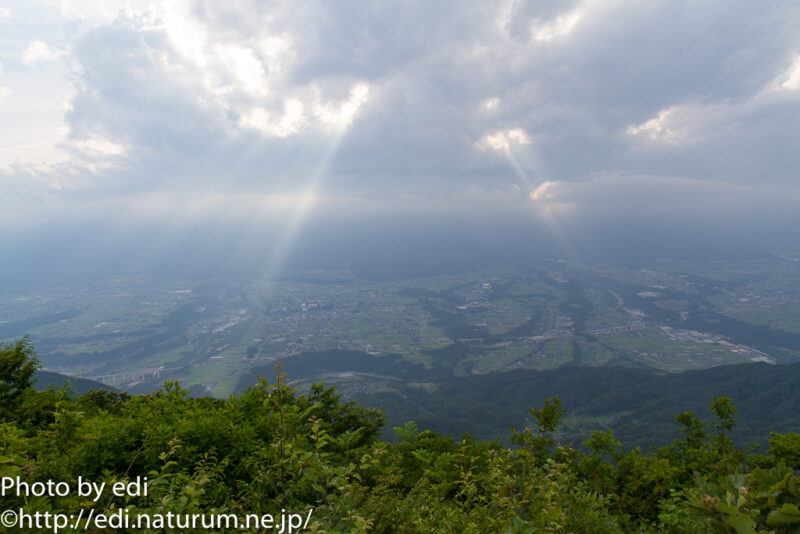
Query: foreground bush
x=272, y=449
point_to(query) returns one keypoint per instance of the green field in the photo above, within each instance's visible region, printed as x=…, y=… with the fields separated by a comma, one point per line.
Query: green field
x=209, y=333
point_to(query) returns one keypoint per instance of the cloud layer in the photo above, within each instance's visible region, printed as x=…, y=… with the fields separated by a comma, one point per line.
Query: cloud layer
x=399, y=105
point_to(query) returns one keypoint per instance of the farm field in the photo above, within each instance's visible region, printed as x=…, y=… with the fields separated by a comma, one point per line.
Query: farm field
x=214, y=335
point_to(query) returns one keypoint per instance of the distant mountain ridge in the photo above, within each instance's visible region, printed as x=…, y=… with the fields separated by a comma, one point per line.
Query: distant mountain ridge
x=44, y=379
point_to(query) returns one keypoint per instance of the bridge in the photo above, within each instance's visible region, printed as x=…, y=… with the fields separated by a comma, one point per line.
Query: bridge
x=134, y=376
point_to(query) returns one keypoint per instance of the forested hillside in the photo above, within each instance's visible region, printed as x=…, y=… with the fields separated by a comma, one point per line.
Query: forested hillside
x=44, y=379
x=639, y=405
x=311, y=462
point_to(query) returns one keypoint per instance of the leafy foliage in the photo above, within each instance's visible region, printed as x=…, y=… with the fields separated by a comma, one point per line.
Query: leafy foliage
x=17, y=365
x=272, y=448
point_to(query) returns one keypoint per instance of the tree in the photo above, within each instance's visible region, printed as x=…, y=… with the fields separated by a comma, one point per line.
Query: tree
x=18, y=362
x=547, y=420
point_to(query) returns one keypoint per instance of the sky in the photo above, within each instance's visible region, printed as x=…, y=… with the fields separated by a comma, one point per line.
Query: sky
x=283, y=126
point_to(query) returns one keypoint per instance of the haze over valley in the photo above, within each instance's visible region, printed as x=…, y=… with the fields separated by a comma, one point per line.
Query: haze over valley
x=135, y=332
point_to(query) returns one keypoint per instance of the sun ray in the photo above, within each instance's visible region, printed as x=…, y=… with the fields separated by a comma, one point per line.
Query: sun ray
x=551, y=215
x=303, y=202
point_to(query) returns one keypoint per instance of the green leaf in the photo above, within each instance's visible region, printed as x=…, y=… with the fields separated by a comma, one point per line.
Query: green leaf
x=726, y=509
x=787, y=514
x=743, y=525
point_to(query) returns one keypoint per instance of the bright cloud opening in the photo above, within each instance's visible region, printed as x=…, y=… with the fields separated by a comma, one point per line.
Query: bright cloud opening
x=491, y=104
x=661, y=129
x=545, y=196
x=561, y=26
x=342, y=116
x=503, y=141
x=792, y=81
x=540, y=194
x=289, y=122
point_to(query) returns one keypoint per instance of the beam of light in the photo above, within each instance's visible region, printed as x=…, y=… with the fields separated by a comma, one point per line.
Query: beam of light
x=174, y=225
x=303, y=203
x=557, y=224
x=340, y=119
x=503, y=142
x=293, y=210
x=549, y=210
x=521, y=174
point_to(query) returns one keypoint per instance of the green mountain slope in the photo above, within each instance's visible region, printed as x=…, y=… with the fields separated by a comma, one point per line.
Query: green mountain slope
x=638, y=405
x=44, y=379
